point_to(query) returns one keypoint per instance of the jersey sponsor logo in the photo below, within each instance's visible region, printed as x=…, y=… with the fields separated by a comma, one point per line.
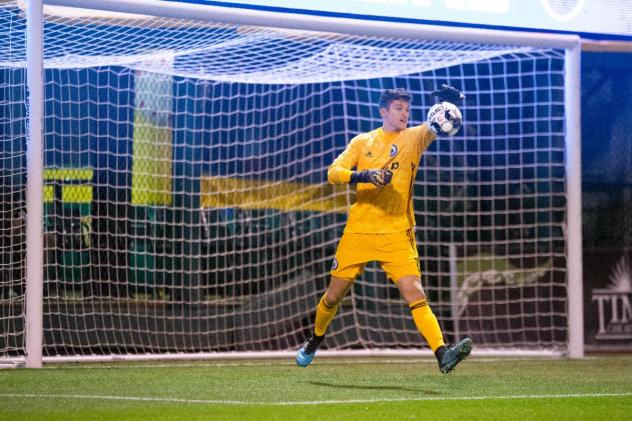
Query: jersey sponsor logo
x=369, y=154
x=334, y=264
x=393, y=150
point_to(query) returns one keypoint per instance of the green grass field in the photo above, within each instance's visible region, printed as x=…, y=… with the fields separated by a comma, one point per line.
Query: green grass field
x=374, y=389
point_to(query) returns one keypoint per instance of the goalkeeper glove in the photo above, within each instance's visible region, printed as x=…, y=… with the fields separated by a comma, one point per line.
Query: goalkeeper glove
x=448, y=93
x=378, y=178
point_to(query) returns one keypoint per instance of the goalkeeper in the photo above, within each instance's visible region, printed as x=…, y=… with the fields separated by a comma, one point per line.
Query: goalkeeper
x=381, y=222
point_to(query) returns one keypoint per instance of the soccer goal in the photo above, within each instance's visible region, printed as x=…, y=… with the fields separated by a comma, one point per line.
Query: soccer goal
x=164, y=188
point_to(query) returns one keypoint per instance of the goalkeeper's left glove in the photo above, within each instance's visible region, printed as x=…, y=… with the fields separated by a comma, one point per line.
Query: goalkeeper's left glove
x=379, y=178
x=449, y=93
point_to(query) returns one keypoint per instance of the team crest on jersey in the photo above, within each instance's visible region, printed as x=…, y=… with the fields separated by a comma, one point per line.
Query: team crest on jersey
x=334, y=264
x=393, y=150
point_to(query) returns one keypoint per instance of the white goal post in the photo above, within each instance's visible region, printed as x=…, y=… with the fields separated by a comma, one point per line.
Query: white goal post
x=237, y=269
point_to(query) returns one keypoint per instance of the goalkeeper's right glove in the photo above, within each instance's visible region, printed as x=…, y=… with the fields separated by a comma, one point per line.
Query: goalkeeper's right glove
x=449, y=94
x=378, y=178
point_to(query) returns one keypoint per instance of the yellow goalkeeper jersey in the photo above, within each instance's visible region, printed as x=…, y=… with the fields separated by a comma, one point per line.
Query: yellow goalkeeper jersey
x=390, y=208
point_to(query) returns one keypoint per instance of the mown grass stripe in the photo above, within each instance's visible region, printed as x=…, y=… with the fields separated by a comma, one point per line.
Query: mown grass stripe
x=306, y=403
x=282, y=363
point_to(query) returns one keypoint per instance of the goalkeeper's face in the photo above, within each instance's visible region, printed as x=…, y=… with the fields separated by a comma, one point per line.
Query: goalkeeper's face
x=395, y=116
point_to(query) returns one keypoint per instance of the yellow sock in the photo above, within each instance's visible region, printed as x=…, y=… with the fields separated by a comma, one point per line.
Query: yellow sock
x=427, y=324
x=324, y=315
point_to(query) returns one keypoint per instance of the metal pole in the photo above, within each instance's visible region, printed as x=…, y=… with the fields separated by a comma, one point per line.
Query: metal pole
x=574, y=257
x=454, y=292
x=180, y=10
x=34, y=169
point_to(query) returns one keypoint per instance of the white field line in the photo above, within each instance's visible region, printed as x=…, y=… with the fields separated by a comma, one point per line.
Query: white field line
x=306, y=403
x=280, y=363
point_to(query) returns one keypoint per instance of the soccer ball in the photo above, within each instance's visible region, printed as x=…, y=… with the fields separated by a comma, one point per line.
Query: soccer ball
x=444, y=119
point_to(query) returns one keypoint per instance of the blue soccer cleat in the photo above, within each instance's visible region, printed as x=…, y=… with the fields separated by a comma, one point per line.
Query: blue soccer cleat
x=303, y=359
x=454, y=355
x=307, y=352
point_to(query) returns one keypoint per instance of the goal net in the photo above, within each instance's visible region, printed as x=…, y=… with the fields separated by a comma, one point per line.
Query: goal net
x=186, y=206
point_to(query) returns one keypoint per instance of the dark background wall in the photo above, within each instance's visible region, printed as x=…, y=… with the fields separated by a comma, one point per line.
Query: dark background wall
x=607, y=198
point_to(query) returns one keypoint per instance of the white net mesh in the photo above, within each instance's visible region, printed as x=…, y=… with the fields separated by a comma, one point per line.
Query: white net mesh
x=186, y=203
x=12, y=194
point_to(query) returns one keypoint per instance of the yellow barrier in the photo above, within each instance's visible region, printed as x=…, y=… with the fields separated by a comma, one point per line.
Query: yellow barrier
x=225, y=192
x=71, y=193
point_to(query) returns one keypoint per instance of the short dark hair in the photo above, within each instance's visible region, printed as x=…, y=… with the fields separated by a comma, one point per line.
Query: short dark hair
x=390, y=95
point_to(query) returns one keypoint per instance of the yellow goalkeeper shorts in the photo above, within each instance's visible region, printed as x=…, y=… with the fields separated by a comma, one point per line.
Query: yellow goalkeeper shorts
x=395, y=252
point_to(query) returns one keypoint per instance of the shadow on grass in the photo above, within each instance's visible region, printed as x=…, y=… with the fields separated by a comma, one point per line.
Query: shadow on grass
x=376, y=387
